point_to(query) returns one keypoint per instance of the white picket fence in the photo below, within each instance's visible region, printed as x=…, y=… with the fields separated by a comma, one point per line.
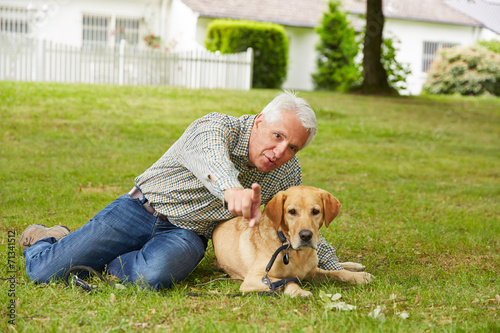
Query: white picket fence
x=28, y=59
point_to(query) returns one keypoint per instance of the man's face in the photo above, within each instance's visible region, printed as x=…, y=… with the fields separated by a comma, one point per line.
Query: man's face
x=273, y=144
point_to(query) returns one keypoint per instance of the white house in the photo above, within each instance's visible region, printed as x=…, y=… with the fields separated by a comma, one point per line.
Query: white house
x=422, y=26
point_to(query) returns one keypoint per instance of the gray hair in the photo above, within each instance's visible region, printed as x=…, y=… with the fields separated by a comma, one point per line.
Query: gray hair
x=289, y=101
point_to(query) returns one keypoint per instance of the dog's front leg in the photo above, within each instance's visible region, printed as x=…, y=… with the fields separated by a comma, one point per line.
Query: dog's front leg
x=343, y=275
x=253, y=283
x=294, y=290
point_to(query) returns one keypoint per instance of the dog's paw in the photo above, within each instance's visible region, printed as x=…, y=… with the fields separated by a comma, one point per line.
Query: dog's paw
x=301, y=293
x=362, y=278
x=353, y=266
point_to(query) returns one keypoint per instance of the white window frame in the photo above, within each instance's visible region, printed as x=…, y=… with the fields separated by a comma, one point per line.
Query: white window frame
x=96, y=30
x=127, y=28
x=15, y=20
x=430, y=50
x=101, y=30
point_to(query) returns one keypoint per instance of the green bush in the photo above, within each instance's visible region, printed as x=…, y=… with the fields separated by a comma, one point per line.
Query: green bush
x=396, y=72
x=472, y=70
x=268, y=41
x=492, y=45
x=337, y=49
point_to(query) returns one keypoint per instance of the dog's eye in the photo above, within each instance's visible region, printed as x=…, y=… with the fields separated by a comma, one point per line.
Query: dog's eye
x=292, y=212
x=315, y=211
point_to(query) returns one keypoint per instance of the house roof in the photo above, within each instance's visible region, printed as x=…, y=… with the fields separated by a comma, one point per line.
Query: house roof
x=307, y=13
x=488, y=12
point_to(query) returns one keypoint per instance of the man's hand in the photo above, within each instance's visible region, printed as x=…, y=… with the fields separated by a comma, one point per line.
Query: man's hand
x=244, y=202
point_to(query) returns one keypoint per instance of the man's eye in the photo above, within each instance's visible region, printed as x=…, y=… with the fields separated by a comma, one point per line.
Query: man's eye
x=277, y=135
x=293, y=148
x=292, y=212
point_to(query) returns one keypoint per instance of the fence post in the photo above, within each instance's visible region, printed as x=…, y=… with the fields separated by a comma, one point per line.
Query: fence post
x=250, y=69
x=121, y=68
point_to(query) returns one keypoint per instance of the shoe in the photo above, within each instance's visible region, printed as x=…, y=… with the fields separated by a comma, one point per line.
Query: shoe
x=36, y=232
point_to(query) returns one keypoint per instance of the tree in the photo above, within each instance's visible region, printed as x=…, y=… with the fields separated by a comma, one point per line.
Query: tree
x=374, y=74
x=336, y=51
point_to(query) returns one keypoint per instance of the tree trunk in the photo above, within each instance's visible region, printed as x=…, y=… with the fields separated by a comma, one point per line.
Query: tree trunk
x=374, y=74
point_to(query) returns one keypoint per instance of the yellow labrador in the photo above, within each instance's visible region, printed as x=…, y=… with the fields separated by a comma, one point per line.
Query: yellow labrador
x=299, y=212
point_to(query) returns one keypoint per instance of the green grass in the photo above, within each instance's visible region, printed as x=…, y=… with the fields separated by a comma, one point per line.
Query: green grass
x=418, y=178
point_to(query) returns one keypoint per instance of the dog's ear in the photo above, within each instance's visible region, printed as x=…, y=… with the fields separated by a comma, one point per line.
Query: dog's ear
x=331, y=206
x=274, y=209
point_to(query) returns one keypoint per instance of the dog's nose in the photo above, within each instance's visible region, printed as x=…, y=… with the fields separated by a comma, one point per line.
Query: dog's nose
x=305, y=235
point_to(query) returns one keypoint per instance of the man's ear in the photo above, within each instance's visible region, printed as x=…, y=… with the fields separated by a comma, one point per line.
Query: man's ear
x=274, y=209
x=261, y=118
x=331, y=206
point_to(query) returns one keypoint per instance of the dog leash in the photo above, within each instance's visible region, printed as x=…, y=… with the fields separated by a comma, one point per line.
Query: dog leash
x=273, y=286
x=82, y=284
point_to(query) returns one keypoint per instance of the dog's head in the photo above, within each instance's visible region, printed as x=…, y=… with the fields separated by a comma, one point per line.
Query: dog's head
x=300, y=211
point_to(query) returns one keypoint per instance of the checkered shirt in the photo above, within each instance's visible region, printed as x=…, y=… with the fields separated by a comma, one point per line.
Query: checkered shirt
x=187, y=183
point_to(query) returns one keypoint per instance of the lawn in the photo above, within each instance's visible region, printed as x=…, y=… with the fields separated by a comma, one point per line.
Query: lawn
x=418, y=178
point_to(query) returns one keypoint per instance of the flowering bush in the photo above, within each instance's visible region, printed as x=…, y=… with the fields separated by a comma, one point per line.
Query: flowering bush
x=153, y=41
x=472, y=70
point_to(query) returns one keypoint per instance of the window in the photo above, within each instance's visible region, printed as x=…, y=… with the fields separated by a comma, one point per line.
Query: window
x=14, y=20
x=127, y=29
x=96, y=30
x=102, y=31
x=429, y=54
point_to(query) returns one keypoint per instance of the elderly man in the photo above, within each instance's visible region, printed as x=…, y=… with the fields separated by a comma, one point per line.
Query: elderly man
x=221, y=167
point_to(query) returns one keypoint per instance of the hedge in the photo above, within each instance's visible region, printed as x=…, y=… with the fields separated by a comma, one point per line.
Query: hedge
x=268, y=41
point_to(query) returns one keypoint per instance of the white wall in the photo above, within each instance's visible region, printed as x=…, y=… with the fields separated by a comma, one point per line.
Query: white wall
x=301, y=58
x=182, y=27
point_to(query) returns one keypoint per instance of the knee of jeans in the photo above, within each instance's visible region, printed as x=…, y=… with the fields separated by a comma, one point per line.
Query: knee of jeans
x=167, y=272
x=42, y=275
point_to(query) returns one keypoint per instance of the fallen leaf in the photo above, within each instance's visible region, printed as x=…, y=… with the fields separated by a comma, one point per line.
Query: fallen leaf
x=341, y=306
x=476, y=300
x=417, y=300
x=335, y=297
x=378, y=313
x=497, y=297
x=403, y=315
x=112, y=298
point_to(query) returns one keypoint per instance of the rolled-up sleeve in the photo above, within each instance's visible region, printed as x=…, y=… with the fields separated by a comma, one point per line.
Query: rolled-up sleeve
x=205, y=152
x=327, y=256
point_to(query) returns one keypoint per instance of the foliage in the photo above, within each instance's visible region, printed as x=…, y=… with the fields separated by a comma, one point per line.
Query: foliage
x=268, y=41
x=469, y=70
x=396, y=71
x=417, y=177
x=336, y=51
x=338, y=48
x=492, y=45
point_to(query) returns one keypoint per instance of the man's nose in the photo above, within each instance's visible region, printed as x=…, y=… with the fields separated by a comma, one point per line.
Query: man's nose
x=280, y=149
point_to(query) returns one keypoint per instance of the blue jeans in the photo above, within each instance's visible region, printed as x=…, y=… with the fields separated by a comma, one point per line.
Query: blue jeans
x=135, y=245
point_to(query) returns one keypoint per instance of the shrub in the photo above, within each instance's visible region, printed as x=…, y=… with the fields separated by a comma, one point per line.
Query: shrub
x=337, y=48
x=492, y=45
x=396, y=71
x=472, y=70
x=268, y=41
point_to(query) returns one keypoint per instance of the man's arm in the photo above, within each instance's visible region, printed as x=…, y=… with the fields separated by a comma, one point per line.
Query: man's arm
x=327, y=256
x=205, y=152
